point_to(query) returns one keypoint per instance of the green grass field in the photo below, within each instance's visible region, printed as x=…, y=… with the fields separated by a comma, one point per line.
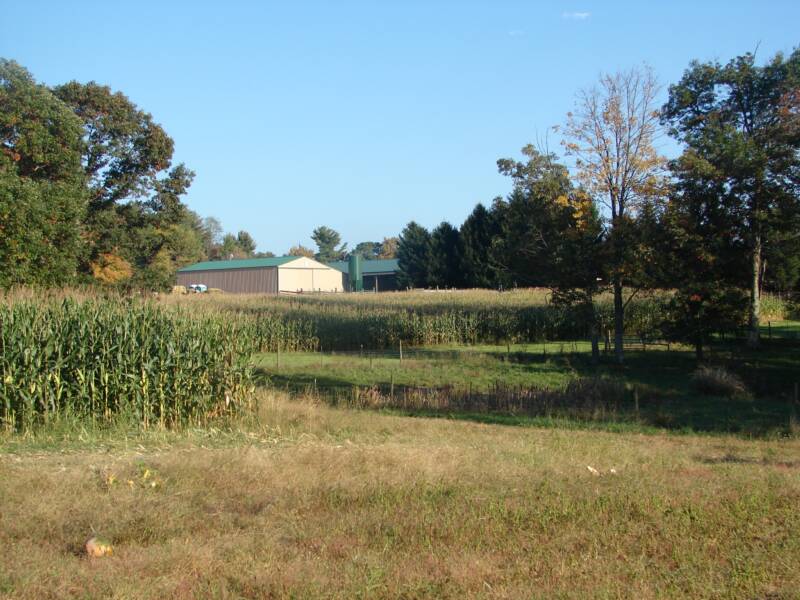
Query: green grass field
x=658, y=377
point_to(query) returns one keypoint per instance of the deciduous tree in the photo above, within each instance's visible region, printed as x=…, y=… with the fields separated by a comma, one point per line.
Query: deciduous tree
x=388, y=248
x=42, y=191
x=737, y=121
x=300, y=250
x=611, y=135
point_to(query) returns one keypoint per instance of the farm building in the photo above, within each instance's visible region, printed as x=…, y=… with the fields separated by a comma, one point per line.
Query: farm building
x=378, y=275
x=281, y=274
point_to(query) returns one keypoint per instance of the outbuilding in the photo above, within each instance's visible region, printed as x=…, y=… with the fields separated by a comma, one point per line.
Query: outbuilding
x=276, y=275
x=377, y=275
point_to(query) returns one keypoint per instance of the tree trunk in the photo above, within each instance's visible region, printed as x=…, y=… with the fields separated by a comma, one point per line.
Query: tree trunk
x=753, y=338
x=595, y=343
x=619, y=323
x=698, y=349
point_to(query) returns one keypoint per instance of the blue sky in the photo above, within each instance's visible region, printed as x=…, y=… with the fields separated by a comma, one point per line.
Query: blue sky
x=365, y=115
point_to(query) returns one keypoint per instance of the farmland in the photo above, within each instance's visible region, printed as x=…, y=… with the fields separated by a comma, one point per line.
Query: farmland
x=521, y=469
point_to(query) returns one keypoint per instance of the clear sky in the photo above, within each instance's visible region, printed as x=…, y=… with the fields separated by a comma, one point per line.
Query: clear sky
x=365, y=115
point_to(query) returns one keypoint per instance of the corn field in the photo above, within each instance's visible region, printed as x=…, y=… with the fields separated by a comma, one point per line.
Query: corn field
x=105, y=358
x=379, y=321
x=375, y=321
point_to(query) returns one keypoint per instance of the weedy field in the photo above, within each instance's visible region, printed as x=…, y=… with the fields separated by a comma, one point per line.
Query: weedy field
x=302, y=500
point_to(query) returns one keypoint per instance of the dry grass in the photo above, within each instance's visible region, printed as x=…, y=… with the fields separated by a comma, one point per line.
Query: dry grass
x=718, y=381
x=315, y=502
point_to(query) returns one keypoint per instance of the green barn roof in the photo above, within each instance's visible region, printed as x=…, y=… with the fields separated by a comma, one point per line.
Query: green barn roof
x=369, y=267
x=244, y=263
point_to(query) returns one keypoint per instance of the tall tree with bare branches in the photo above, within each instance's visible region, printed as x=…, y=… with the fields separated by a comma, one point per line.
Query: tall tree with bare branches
x=612, y=135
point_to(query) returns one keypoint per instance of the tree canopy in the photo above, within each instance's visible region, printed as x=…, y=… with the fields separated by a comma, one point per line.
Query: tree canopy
x=741, y=152
x=42, y=192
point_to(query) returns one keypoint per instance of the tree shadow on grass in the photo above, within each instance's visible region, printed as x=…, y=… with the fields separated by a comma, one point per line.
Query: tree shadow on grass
x=657, y=395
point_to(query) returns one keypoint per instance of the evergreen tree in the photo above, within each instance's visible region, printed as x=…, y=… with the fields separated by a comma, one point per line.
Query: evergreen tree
x=328, y=244
x=477, y=234
x=413, y=254
x=445, y=259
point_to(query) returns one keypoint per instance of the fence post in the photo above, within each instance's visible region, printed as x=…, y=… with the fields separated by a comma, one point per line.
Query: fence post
x=769, y=329
x=636, y=399
x=278, y=358
x=391, y=387
x=401, y=352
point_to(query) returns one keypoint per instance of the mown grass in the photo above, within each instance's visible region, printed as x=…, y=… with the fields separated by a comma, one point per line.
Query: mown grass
x=315, y=502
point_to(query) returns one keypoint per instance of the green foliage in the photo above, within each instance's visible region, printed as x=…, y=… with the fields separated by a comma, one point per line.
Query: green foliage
x=42, y=198
x=445, y=268
x=367, y=250
x=413, y=254
x=328, y=244
x=697, y=312
x=740, y=156
x=241, y=245
x=477, y=235
x=39, y=231
x=107, y=358
x=347, y=323
x=134, y=193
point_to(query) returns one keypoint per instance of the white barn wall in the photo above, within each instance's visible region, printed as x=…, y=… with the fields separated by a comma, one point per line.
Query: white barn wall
x=306, y=275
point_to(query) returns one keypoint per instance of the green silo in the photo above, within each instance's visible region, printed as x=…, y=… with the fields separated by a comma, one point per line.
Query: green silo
x=354, y=271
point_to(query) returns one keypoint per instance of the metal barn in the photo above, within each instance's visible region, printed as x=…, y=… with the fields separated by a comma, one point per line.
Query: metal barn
x=379, y=275
x=281, y=274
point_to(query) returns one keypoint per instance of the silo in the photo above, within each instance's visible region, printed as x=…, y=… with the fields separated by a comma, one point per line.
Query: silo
x=354, y=271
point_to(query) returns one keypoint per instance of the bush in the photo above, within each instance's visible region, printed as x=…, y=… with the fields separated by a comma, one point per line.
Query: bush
x=716, y=381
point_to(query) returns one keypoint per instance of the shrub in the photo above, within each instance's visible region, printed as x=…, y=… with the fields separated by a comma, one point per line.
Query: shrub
x=717, y=381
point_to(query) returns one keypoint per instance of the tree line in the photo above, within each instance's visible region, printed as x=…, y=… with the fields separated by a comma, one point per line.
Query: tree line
x=89, y=194
x=718, y=224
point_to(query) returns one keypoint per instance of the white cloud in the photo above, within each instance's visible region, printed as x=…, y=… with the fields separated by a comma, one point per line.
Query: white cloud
x=576, y=16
